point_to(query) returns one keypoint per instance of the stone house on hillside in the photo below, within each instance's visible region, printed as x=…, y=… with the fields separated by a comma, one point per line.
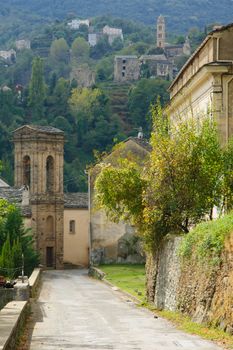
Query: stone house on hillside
x=132, y=68
x=113, y=33
x=205, y=83
x=126, y=68
x=59, y=221
x=76, y=23
x=22, y=44
x=9, y=56
x=158, y=66
x=111, y=242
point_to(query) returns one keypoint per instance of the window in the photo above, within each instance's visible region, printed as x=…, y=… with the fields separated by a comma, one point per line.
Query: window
x=50, y=225
x=50, y=174
x=26, y=171
x=123, y=61
x=72, y=226
x=160, y=27
x=160, y=35
x=123, y=74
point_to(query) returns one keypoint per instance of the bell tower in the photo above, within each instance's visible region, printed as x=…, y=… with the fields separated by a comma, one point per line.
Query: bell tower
x=39, y=169
x=161, y=32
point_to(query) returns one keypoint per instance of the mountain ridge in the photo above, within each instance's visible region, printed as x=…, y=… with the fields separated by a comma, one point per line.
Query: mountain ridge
x=180, y=14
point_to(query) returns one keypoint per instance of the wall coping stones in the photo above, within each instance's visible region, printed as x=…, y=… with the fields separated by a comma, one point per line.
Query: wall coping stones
x=11, y=317
x=34, y=280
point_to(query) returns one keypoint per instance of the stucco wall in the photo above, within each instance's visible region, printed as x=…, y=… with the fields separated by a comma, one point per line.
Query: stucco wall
x=109, y=241
x=76, y=245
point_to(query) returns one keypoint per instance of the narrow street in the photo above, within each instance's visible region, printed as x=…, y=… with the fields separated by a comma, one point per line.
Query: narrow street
x=77, y=312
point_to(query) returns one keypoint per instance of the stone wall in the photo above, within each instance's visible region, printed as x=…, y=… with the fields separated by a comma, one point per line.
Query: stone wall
x=6, y=295
x=168, y=274
x=202, y=291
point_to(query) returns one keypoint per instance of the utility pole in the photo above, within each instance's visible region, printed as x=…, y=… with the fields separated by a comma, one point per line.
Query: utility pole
x=87, y=172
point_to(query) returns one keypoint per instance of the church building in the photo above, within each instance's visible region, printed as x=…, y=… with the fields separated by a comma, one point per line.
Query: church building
x=59, y=221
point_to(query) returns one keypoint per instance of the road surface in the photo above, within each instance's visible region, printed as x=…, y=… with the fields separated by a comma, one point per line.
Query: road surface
x=77, y=312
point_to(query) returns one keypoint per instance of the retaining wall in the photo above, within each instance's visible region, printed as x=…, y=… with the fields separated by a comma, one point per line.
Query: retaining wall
x=12, y=318
x=204, y=292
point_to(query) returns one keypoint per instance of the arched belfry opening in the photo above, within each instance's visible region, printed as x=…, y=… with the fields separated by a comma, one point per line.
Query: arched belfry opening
x=50, y=174
x=27, y=171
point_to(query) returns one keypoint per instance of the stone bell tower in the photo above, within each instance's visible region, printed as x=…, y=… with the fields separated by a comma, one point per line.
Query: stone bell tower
x=161, y=32
x=39, y=169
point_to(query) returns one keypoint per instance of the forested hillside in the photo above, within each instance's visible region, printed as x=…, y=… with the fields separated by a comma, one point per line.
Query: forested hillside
x=41, y=85
x=180, y=14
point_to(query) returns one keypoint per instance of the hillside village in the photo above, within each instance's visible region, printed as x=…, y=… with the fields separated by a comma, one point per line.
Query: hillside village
x=118, y=151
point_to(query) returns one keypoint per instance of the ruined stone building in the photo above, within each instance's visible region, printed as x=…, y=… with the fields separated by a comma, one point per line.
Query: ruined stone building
x=22, y=44
x=126, y=68
x=9, y=56
x=157, y=66
x=205, y=83
x=59, y=221
x=131, y=68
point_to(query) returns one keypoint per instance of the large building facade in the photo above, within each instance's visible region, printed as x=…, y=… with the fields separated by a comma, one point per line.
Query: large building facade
x=205, y=83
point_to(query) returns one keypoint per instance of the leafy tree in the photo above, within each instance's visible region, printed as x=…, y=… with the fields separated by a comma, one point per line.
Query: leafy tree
x=59, y=51
x=15, y=240
x=104, y=69
x=141, y=96
x=37, y=88
x=80, y=50
x=117, y=44
x=6, y=259
x=178, y=187
x=101, y=49
x=57, y=102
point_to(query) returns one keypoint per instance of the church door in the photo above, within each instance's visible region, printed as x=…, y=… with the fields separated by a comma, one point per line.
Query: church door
x=49, y=257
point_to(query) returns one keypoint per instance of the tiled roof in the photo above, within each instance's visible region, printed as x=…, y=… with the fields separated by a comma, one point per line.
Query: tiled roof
x=154, y=57
x=76, y=200
x=71, y=200
x=141, y=142
x=45, y=128
x=14, y=195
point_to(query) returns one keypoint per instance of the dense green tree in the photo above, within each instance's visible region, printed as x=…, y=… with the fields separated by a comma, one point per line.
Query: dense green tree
x=177, y=188
x=101, y=49
x=59, y=51
x=37, y=89
x=141, y=96
x=104, y=69
x=80, y=50
x=15, y=240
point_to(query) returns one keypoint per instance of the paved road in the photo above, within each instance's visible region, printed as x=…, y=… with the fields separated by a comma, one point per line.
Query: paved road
x=76, y=312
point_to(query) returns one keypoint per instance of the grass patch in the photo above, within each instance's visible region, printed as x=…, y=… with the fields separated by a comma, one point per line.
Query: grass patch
x=129, y=278
x=205, y=242
x=210, y=333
